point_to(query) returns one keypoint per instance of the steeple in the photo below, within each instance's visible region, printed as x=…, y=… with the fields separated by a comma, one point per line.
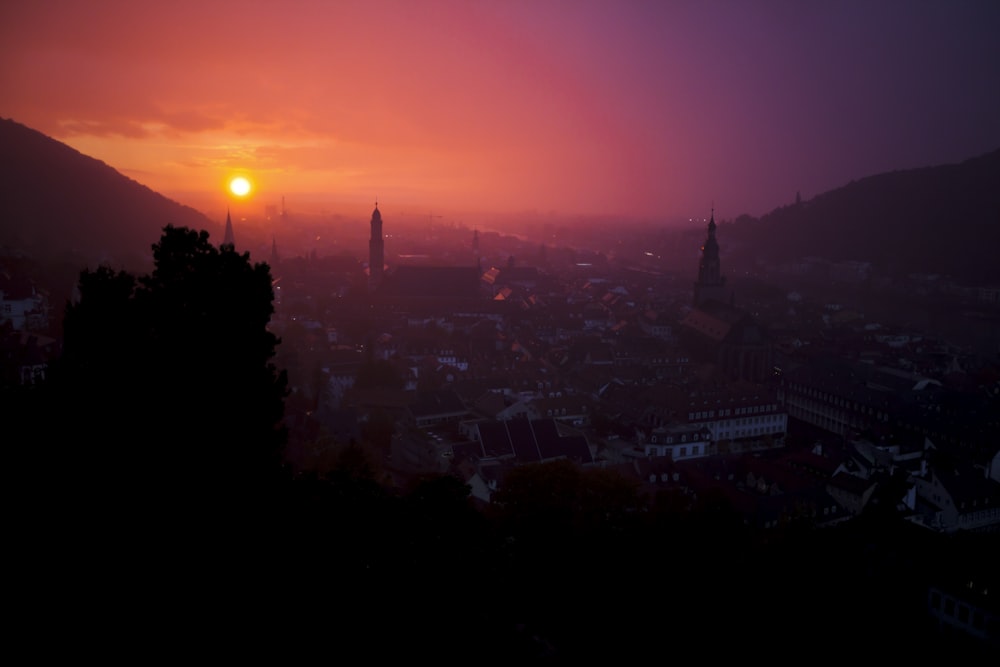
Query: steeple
x=228, y=239
x=376, y=251
x=711, y=284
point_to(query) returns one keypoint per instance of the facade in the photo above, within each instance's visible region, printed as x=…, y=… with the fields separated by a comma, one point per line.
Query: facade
x=678, y=441
x=739, y=418
x=835, y=396
x=741, y=423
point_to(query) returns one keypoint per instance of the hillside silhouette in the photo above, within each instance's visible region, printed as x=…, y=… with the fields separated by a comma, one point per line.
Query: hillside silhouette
x=933, y=220
x=58, y=202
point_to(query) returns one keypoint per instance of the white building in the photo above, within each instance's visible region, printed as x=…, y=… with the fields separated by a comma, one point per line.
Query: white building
x=22, y=304
x=678, y=441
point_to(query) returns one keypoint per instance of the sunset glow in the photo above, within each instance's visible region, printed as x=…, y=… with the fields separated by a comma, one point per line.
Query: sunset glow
x=634, y=108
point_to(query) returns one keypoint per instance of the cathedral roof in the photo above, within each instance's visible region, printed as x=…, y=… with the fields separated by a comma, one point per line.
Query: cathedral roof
x=721, y=321
x=439, y=282
x=707, y=324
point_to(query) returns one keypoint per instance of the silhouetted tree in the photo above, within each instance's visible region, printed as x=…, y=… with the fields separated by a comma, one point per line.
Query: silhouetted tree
x=167, y=383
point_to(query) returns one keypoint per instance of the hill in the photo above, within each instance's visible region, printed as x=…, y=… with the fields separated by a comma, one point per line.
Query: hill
x=934, y=220
x=56, y=202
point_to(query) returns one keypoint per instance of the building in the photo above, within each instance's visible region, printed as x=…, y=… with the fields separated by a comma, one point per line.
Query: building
x=731, y=339
x=22, y=304
x=739, y=417
x=376, y=251
x=421, y=291
x=716, y=331
x=711, y=284
x=229, y=239
x=678, y=441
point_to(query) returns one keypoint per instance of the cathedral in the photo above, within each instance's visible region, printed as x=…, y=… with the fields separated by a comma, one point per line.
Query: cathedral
x=716, y=330
x=431, y=287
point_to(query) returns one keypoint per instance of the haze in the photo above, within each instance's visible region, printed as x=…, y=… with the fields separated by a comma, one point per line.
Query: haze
x=645, y=109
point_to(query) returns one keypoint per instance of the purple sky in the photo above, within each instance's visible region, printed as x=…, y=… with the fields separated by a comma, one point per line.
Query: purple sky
x=648, y=108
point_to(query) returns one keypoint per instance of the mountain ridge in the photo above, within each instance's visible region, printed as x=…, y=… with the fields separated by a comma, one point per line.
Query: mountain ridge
x=942, y=219
x=59, y=202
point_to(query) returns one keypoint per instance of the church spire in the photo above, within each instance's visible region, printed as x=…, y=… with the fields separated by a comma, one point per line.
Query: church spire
x=229, y=239
x=711, y=284
x=376, y=250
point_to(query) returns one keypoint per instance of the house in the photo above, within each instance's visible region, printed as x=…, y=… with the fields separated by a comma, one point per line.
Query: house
x=852, y=492
x=22, y=304
x=956, y=497
x=529, y=441
x=432, y=408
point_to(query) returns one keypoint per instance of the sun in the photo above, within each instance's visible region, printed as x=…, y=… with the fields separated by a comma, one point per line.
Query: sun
x=239, y=186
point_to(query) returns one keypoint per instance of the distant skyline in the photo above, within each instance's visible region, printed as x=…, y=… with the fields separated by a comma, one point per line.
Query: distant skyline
x=644, y=109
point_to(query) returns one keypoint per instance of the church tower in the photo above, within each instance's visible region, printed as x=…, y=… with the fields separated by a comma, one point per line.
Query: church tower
x=274, y=252
x=229, y=239
x=711, y=284
x=376, y=251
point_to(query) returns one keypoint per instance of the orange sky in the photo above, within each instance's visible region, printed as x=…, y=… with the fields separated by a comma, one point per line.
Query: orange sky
x=642, y=108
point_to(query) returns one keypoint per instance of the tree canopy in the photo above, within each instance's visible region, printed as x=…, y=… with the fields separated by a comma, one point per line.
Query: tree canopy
x=167, y=380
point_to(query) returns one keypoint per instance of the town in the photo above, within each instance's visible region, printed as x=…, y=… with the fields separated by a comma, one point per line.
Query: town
x=471, y=354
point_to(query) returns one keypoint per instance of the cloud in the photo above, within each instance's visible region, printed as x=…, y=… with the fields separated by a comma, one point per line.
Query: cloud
x=120, y=127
